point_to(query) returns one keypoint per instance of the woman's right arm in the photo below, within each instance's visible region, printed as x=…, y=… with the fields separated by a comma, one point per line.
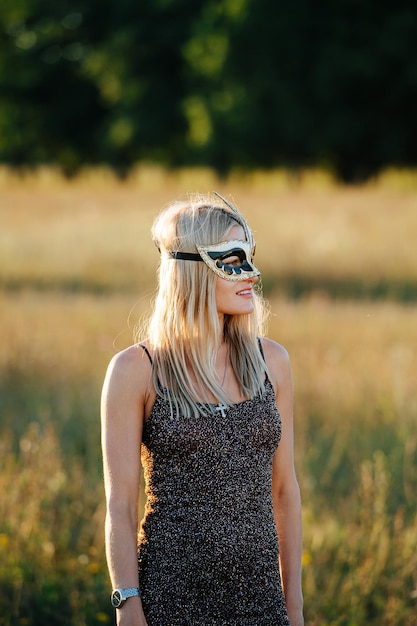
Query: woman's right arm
x=122, y=414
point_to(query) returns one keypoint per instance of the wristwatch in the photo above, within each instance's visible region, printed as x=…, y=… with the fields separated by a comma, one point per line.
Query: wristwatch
x=119, y=596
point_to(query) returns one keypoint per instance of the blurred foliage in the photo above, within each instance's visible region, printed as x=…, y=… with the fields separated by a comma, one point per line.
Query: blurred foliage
x=51, y=538
x=213, y=82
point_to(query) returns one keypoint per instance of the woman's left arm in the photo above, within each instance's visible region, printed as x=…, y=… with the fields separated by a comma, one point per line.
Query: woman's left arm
x=285, y=489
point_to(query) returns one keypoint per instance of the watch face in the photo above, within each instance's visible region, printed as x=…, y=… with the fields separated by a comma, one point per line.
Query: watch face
x=116, y=598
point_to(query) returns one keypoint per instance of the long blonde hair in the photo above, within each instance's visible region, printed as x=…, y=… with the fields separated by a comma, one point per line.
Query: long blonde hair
x=184, y=331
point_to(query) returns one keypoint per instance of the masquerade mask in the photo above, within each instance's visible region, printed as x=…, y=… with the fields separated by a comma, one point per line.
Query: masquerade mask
x=231, y=260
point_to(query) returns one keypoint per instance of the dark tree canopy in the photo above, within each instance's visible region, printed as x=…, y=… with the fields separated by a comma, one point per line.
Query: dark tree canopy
x=249, y=83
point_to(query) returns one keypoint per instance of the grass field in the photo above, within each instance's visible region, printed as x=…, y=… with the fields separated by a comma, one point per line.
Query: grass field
x=339, y=266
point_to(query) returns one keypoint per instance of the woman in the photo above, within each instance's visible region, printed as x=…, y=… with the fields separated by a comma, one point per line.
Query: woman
x=199, y=398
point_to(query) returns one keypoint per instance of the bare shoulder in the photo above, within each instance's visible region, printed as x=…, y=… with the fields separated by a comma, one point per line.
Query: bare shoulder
x=275, y=354
x=123, y=403
x=129, y=369
x=277, y=360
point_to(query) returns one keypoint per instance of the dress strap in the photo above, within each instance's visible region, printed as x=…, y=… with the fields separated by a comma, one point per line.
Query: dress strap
x=148, y=354
x=263, y=356
x=260, y=347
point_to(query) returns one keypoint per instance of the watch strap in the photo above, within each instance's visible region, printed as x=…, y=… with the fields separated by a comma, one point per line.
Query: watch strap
x=130, y=592
x=119, y=596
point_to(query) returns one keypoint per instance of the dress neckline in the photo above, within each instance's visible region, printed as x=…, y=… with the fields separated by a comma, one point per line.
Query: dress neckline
x=233, y=405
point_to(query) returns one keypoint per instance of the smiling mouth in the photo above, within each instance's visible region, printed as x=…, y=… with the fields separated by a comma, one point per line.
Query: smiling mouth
x=245, y=292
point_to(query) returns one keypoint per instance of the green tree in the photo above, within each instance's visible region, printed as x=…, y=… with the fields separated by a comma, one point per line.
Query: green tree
x=92, y=82
x=306, y=84
x=217, y=82
x=46, y=104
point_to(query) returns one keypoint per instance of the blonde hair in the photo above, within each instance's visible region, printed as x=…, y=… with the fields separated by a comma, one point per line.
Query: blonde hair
x=184, y=331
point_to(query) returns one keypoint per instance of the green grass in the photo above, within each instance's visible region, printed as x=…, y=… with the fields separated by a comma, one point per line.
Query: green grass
x=81, y=265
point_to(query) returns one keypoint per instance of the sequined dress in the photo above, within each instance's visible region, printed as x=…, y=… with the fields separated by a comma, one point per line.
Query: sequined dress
x=208, y=547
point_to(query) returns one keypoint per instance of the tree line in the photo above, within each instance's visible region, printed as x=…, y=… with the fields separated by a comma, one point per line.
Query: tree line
x=223, y=83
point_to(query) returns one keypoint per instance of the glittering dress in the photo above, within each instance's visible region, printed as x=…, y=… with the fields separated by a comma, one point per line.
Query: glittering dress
x=208, y=547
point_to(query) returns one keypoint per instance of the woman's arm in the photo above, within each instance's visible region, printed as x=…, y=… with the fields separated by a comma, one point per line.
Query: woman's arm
x=285, y=490
x=122, y=413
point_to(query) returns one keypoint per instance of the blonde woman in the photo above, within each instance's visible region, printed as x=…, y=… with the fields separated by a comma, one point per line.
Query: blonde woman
x=208, y=404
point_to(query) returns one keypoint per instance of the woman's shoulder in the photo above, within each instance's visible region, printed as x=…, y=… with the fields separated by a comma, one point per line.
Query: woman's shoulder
x=274, y=352
x=131, y=365
x=278, y=362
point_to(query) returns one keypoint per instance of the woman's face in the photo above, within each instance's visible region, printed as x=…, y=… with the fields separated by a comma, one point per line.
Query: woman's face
x=235, y=297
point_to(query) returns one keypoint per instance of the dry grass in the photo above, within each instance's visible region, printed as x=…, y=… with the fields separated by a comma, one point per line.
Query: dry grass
x=354, y=367
x=95, y=234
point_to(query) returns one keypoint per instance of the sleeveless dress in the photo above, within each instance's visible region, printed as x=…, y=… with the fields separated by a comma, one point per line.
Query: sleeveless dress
x=208, y=547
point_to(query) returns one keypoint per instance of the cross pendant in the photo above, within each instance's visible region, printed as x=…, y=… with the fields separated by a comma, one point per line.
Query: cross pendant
x=222, y=409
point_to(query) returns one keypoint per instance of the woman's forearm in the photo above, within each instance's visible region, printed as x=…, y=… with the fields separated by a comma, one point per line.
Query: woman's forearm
x=121, y=549
x=289, y=527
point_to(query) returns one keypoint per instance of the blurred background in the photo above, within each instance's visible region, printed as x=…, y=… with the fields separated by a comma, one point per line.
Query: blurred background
x=305, y=116
x=223, y=83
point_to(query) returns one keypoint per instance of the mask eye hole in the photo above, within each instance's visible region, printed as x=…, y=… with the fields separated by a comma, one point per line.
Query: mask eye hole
x=232, y=261
x=226, y=268
x=234, y=257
